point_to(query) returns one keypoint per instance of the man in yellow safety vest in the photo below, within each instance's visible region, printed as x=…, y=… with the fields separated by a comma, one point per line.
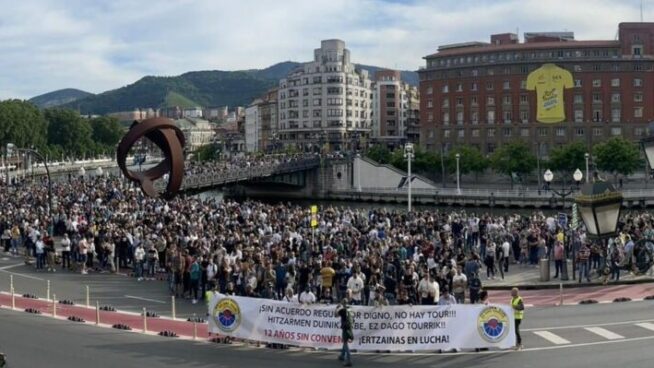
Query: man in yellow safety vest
x=518, y=313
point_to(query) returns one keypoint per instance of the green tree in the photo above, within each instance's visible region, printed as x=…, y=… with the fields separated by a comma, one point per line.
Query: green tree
x=617, y=156
x=470, y=160
x=208, y=152
x=568, y=158
x=22, y=124
x=69, y=131
x=514, y=160
x=379, y=153
x=423, y=162
x=106, y=132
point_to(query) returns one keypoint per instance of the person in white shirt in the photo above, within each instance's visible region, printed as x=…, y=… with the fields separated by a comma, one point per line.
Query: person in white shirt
x=307, y=297
x=428, y=290
x=355, y=285
x=506, y=248
x=139, y=257
x=459, y=284
x=65, y=252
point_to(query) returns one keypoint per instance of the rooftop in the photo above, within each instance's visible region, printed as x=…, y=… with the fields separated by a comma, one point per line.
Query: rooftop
x=488, y=48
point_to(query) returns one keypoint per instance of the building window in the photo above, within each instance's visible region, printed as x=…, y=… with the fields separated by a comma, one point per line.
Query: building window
x=475, y=133
x=489, y=86
x=506, y=100
x=523, y=84
x=615, y=115
x=615, y=82
x=638, y=97
x=446, y=133
x=579, y=116
x=459, y=101
x=560, y=132
x=431, y=133
x=638, y=112
x=597, y=67
x=446, y=89
x=597, y=82
x=597, y=98
x=577, y=68
x=490, y=101
x=579, y=99
x=507, y=117
x=506, y=85
x=459, y=118
x=637, y=50
x=597, y=115
x=639, y=132
x=579, y=132
x=524, y=132
x=430, y=104
x=638, y=82
x=615, y=97
x=524, y=116
x=473, y=86
x=543, y=132
x=616, y=131
x=461, y=133
x=578, y=83
x=490, y=148
x=459, y=87
x=446, y=102
x=474, y=72
x=446, y=118
x=490, y=132
x=475, y=117
x=523, y=99
x=430, y=116
x=524, y=69
x=430, y=90
x=473, y=101
x=597, y=132
x=490, y=117
x=506, y=132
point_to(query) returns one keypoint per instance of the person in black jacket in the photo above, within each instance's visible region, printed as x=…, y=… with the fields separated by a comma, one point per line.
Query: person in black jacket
x=347, y=322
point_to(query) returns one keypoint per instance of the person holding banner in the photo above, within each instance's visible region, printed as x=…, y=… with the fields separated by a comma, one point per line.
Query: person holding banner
x=347, y=322
x=518, y=312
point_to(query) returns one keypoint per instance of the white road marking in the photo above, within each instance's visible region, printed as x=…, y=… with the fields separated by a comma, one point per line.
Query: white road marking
x=589, y=325
x=646, y=325
x=604, y=333
x=145, y=299
x=11, y=266
x=23, y=275
x=554, y=339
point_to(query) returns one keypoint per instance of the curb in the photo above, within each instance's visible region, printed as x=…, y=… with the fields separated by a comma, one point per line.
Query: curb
x=566, y=285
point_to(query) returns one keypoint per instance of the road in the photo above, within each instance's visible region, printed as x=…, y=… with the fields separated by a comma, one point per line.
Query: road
x=597, y=335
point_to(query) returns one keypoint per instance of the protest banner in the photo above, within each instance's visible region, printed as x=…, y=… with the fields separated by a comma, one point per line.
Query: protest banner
x=394, y=328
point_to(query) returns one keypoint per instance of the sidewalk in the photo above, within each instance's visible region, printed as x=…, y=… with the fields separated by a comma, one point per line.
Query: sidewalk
x=528, y=277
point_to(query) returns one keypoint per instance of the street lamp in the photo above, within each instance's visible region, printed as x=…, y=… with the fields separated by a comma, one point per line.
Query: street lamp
x=587, y=156
x=564, y=192
x=409, y=155
x=458, y=176
x=599, y=205
x=358, y=161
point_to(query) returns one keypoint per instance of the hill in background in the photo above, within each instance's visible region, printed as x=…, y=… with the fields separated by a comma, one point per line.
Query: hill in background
x=60, y=97
x=200, y=88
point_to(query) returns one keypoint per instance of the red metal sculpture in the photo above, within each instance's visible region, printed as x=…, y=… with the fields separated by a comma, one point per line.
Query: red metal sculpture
x=170, y=140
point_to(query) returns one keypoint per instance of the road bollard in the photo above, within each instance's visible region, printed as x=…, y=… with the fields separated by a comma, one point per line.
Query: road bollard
x=11, y=282
x=560, y=294
x=47, y=290
x=195, y=327
x=88, y=300
x=97, y=312
x=13, y=298
x=172, y=301
x=54, y=305
x=145, y=321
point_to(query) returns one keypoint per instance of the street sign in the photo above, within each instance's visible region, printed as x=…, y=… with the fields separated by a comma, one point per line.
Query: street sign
x=562, y=219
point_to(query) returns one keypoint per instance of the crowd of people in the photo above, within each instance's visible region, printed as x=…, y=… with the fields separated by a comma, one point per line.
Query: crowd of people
x=372, y=256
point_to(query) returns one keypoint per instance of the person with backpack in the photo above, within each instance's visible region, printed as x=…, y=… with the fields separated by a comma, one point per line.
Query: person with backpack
x=347, y=324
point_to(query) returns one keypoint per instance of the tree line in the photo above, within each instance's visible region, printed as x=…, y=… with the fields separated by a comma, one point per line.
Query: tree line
x=616, y=156
x=57, y=132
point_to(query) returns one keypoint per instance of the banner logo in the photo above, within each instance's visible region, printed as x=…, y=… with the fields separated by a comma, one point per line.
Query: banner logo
x=227, y=315
x=493, y=324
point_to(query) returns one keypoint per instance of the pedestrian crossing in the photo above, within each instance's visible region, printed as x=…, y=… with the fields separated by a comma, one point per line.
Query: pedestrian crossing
x=562, y=336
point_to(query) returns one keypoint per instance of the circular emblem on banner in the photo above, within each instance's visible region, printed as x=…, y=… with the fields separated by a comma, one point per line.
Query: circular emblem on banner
x=227, y=315
x=493, y=324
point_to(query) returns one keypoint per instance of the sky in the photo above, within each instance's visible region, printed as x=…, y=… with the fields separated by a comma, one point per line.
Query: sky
x=98, y=45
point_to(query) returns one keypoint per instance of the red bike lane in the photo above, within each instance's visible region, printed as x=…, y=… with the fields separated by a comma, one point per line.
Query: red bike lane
x=552, y=297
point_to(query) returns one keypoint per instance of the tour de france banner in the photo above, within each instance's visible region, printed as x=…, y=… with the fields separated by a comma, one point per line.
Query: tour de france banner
x=394, y=328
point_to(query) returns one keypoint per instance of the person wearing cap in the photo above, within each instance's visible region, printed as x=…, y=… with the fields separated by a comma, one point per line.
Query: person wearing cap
x=347, y=322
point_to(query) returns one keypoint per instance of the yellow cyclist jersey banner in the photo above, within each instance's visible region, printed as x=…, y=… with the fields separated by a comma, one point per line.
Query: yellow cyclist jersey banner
x=549, y=81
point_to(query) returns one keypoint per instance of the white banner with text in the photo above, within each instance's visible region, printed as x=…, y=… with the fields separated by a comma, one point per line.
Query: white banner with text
x=395, y=328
